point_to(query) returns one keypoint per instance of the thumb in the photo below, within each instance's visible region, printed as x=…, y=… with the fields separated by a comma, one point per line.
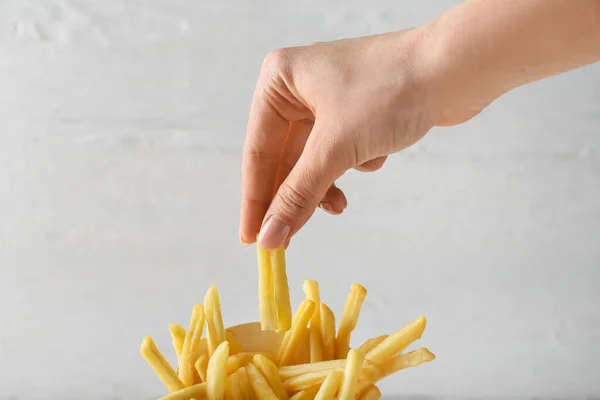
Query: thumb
x=300, y=193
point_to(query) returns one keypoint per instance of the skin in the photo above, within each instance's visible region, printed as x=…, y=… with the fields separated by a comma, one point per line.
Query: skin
x=322, y=109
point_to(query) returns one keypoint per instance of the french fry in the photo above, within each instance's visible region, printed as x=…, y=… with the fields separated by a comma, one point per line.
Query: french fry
x=368, y=369
x=354, y=303
x=231, y=386
x=215, y=333
x=281, y=290
x=349, y=385
x=261, y=388
x=266, y=294
x=245, y=386
x=311, y=291
x=398, y=341
x=305, y=311
x=160, y=365
x=178, y=336
x=192, y=392
x=216, y=373
x=304, y=381
x=370, y=393
x=408, y=360
x=238, y=361
x=201, y=366
x=330, y=385
x=234, y=345
x=271, y=374
x=190, y=351
x=327, y=332
x=306, y=394
x=370, y=344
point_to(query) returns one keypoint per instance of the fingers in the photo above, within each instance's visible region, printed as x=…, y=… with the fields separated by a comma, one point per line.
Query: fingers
x=334, y=201
x=372, y=165
x=265, y=139
x=300, y=193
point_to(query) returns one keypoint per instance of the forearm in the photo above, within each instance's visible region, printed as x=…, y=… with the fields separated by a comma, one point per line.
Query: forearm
x=493, y=46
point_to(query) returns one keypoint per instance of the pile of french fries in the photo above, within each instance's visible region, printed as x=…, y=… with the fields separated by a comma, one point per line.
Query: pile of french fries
x=313, y=361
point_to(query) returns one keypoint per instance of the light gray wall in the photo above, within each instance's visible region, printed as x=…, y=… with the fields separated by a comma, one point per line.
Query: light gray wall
x=120, y=137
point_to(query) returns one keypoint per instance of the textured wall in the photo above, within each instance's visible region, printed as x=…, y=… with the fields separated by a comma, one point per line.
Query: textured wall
x=120, y=136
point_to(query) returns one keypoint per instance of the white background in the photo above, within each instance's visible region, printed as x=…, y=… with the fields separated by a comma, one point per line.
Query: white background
x=121, y=125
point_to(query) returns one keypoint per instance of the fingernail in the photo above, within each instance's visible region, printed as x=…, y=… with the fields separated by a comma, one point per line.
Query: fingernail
x=326, y=206
x=273, y=233
x=242, y=241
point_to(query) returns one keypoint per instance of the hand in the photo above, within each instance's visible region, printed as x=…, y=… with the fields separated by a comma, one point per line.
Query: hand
x=318, y=111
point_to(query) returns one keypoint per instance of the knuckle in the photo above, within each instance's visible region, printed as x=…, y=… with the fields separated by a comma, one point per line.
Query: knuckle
x=278, y=60
x=293, y=201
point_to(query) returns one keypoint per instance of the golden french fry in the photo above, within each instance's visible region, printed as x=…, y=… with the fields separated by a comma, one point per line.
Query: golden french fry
x=368, y=369
x=244, y=382
x=306, y=394
x=281, y=290
x=266, y=294
x=311, y=291
x=261, y=388
x=201, y=366
x=402, y=361
x=178, y=336
x=330, y=385
x=238, y=361
x=304, y=381
x=231, y=385
x=398, y=341
x=271, y=374
x=305, y=311
x=370, y=344
x=191, y=349
x=215, y=332
x=349, y=386
x=216, y=373
x=370, y=393
x=160, y=365
x=327, y=332
x=192, y=392
x=354, y=303
x=234, y=345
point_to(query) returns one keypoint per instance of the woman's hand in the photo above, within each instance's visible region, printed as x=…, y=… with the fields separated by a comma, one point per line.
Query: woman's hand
x=322, y=109
x=318, y=111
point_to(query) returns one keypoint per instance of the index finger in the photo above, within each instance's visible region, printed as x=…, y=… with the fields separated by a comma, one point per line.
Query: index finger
x=265, y=138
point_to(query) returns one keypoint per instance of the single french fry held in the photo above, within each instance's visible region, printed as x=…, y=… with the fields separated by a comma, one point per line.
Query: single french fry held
x=271, y=374
x=305, y=311
x=216, y=373
x=159, y=364
x=281, y=290
x=330, y=385
x=398, y=341
x=261, y=388
x=349, y=386
x=327, y=332
x=266, y=294
x=215, y=332
x=190, y=351
x=354, y=303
